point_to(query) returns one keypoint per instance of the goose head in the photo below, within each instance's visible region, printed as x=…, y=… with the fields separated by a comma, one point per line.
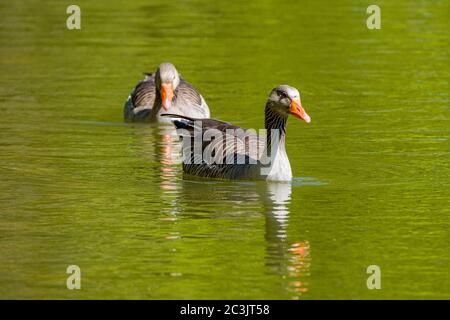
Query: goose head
x=167, y=80
x=285, y=100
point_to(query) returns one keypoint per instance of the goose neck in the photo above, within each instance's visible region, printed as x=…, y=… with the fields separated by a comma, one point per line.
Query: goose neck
x=275, y=124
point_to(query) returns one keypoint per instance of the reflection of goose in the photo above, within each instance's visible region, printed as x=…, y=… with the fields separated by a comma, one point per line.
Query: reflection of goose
x=158, y=147
x=198, y=195
x=276, y=204
x=283, y=100
x=161, y=92
x=280, y=196
x=168, y=155
x=218, y=210
x=290, y=260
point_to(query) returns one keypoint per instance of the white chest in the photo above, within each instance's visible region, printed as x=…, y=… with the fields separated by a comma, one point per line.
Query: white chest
x=281, y=168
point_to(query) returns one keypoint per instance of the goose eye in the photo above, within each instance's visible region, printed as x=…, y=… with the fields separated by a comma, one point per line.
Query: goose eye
x=282, y=95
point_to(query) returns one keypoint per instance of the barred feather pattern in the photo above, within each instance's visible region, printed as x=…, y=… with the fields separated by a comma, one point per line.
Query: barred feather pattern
x=234, y=155
x=144, y=105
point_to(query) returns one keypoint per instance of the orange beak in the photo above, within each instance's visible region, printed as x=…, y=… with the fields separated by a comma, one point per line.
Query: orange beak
x=166, y=95
x=298, y=111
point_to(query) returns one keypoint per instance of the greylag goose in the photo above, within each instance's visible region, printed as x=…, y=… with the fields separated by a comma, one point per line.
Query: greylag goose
x=164, y=91
x=216, y=149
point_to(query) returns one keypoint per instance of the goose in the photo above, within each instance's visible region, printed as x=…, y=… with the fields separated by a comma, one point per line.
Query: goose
x=164, y=91
x=234, y=155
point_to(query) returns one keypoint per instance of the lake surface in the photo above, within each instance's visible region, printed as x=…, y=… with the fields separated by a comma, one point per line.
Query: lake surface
x=371, y=171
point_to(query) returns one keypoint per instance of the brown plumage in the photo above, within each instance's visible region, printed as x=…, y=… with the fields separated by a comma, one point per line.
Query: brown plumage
x=231, y=152
x=145, y=103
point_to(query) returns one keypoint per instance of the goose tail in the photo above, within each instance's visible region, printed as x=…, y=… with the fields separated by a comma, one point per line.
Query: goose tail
x=180, y=121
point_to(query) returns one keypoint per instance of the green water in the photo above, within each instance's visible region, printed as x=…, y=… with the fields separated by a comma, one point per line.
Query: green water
x=371, y=172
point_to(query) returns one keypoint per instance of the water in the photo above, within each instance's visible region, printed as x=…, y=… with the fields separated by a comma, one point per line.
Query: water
x=79, y=186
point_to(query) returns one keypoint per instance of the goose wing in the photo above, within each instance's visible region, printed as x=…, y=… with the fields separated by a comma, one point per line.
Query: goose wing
x=189, y=97
x=140, y=101
x=226, y=150
x=144, y=93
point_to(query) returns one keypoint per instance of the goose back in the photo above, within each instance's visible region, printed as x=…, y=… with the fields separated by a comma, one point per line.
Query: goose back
x=235, y=152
